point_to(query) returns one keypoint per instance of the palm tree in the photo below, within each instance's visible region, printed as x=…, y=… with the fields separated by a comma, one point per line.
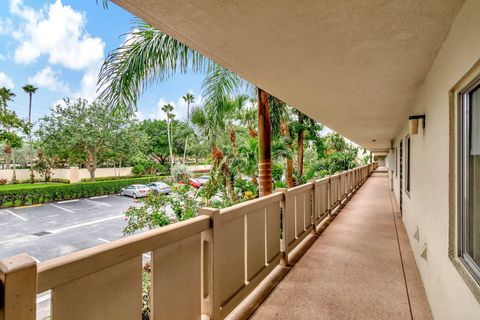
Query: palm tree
x=30, y=90
x=300, y=140
x=150, y=56
x=280, y=127
x=168, y=108
x=6, y=95
x=264, y=145
x=189, y=99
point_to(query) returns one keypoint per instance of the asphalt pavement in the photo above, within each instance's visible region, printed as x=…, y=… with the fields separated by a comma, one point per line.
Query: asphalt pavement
x=55, y=229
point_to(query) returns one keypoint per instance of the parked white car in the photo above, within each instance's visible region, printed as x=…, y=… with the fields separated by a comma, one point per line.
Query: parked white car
x=135, y=191
x=203, y=179
x=159, y=187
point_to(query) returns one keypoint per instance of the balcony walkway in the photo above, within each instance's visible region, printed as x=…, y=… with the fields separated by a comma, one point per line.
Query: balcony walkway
x=361, y=267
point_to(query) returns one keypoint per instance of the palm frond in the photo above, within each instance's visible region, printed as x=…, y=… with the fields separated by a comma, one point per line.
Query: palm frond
x=220, y=84
x=104, y=3
x=146, y=57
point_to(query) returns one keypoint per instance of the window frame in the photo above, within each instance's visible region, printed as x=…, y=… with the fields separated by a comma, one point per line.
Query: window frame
x=463, y=172
x=408, y=162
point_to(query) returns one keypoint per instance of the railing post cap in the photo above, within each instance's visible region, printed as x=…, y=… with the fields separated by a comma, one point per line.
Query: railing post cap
x=17, y=262
x=208, y=211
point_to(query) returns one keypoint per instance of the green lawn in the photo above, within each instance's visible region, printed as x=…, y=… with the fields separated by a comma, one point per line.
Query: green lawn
x=8, y=187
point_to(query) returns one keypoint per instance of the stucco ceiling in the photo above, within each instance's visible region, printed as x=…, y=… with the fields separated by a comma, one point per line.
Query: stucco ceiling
x=355, y=66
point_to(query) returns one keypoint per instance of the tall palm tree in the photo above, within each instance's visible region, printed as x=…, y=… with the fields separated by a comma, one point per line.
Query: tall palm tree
x=168, y=108
x=189, y=99
x=6, y=95
x=30, y=90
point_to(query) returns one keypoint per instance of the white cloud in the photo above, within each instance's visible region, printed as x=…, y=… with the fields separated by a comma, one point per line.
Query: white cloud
x=6, y=25
x=6, y=81
x=58, y=32
x=48, y=78
x=88, y=89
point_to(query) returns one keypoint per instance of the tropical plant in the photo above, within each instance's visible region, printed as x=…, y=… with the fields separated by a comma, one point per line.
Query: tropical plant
x=152, y=213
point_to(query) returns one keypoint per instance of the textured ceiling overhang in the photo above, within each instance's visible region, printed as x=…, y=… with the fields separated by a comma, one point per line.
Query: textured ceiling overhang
x=355, y=66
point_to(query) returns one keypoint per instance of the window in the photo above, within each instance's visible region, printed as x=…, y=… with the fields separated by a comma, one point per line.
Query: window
x=407, y=165
x=469, y=178
x=396, y=162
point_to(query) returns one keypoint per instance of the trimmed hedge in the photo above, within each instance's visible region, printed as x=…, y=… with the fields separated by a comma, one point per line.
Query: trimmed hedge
x=47, y=193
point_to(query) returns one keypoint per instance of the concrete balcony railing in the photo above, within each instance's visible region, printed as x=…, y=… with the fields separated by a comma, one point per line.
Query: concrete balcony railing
x=201, y=268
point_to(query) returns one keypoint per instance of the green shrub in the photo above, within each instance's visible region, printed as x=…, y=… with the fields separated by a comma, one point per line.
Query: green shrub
x=46, y=193
x=138, y=169
x=180, y=172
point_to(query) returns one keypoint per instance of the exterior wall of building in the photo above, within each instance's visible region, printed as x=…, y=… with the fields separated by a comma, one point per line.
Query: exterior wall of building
x=426, y=207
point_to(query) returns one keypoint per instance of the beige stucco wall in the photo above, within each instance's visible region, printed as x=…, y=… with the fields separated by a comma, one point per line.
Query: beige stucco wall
x=72, y=174
x=75, y=174
x=427, y=205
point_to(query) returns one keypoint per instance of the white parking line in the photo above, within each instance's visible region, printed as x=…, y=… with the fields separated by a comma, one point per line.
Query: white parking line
x=86, y=224
x=16, y=215
x=3, y=224
x=62, y=208
x=98, y=203
x=145, y=255
x=53, y=215
x=99, y=197
x=67, y=201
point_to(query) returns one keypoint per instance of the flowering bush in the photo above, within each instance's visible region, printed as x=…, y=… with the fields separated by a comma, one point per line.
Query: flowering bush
x=158, y=210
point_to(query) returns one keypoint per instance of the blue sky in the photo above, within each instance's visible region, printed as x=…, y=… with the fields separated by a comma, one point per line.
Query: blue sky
x=59, y=46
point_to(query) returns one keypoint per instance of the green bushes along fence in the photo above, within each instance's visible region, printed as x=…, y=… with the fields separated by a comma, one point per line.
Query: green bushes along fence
x=46, y=193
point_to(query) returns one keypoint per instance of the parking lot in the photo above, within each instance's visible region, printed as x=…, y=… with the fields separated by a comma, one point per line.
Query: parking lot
x=54, y=229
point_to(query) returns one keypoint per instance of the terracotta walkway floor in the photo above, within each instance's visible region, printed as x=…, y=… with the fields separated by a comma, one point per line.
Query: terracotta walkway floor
x=361, y=267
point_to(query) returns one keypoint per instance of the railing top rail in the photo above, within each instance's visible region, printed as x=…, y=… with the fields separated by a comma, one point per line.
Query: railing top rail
x=244, y=208
x=298, y=189
x=58, y=271
x=322, y=181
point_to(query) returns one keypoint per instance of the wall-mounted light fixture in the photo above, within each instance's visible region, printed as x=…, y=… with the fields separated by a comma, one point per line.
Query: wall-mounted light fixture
x=413, y=123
